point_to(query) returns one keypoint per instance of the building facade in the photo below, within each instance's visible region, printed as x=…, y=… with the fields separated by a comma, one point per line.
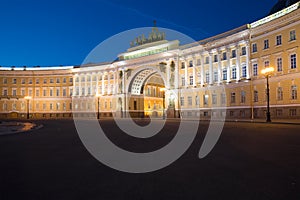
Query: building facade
x=217, y=76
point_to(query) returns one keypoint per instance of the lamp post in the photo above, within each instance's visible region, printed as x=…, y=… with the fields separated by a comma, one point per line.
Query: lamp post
x=163, y=91
x=98, y=107
x=27, y=99
x=267, y=72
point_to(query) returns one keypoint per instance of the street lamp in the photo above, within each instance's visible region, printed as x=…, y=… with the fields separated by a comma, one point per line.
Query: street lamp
x=267, y=72
x=27, y=98
x=163, y=91
x=98, y=108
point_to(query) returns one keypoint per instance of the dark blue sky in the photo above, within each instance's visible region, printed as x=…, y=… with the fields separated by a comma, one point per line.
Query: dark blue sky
x=63, y=32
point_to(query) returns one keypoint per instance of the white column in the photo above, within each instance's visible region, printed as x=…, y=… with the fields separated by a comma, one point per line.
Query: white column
x=211, y=81
x=97, y=83
x=168, y=75
x=91, y=83
x=202, y=70
x=219, y=68
x=238, y=66
x=247, y=61
x=176, y=74
x=186, y=73
x=228, y=65
x=108, y=84
x=103, y=83
x=115, y=77
x=194, y=73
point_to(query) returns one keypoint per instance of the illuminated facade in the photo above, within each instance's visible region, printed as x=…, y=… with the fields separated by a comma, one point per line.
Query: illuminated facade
x=156, y=77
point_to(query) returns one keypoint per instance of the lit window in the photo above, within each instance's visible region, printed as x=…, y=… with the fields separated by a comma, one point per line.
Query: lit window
x=224, y=74
x=214, y=99
x=232, y=97
x=293, y=92
x=279, y=94
x=266, y=44
x=293, y=61
x=254, y=48
x=292, y=35
x=234, y=73
x=244, y=71
x=191, y=80
x=278, y=40
x=190, y=101
x=279, y=64
x=243, y=97
x=255, y=70
x=205, y=99
x=255, y=96
x=243, y=51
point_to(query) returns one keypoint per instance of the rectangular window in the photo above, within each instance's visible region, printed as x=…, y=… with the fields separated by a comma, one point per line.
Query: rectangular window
x=278, y=40
x=207, y=77
x=233, y=53
x=23, y=92
x=57, y=80
x=216, y=76
x=57, y=106
x=254, y=47
x=181, y=101
x=292, y=35
x=71, y=80
x=64, y=92
x=224, y=56
x=255, y=96
x=232, y=97
x=243, y=51
x=182, y=81
x=293, y=61
x=37, y=81
x=293, y=92
x=244, y=71
x=5, y=81
x=37, y=92
x=243, y=97
x=191, y=80
x=279, y=112
x=51, y=80
x=44, y=92
x=293, y=112
x=223, y=98
x=51, y=106
x=214, y=99
x=190, y=100
x=64, y=106
x=45, y=81
x=206, y=60
x=266, y=44
x=205, y=99
x=51, y=92
x=234, y=73
x=182, y=65
x=267, y=63
x=279, y=64
x=198, y=62
x=279, y=94
x=64, y=80
x=23, y=81
x=57, y=92
x=44, y=106
x=30, y=81
x=215, y=58
x=14, y=81
x=197, y=100
x=255, y=70
x=191, y=63
x=14, y=92
x=224, y=74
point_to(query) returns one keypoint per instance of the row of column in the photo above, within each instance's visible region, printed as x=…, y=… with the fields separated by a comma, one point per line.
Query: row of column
x=112, y=88
x=219, y=68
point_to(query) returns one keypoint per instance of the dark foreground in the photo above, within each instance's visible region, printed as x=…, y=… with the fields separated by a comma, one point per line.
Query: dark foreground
x=250, y=161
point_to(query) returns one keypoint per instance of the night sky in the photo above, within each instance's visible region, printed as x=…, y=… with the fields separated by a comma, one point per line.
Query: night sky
x=63, y=32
